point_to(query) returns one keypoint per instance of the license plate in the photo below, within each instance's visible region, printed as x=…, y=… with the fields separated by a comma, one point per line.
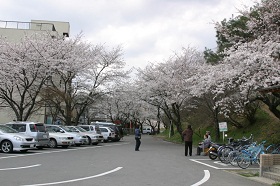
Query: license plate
x=45, y=136
x=32, y=145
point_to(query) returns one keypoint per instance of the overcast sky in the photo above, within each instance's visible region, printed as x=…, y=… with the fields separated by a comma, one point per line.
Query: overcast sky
x=148, y=30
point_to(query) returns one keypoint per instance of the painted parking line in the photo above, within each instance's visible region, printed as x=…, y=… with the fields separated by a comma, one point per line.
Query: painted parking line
x=16, y=168
x=57, y=151
x=204, y=179
x=79, y=179
x=230, y=167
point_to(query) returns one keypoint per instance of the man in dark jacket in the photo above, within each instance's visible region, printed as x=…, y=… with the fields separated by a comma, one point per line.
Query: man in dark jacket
x=137, y=137
x=187, y=134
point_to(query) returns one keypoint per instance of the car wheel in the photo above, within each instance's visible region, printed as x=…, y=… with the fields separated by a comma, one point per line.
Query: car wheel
x=6, y=146
x=95, y=143
x=52, y=143
x=89, y=140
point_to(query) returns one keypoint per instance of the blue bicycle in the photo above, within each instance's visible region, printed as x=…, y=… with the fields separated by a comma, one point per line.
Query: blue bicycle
x=251, y=155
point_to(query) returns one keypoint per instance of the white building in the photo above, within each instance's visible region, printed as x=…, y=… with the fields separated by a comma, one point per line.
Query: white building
x=15, y=30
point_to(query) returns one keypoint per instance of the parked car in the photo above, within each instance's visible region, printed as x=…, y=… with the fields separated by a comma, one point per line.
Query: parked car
x=33, y=129
x=60, y=139
x=108, y=133
x=117, y=128
x=78, y=138
x=91, y=128
x=11, y=140
x=93, y=139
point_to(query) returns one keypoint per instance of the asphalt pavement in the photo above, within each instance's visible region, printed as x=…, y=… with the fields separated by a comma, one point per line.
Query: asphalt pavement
x=158, y=163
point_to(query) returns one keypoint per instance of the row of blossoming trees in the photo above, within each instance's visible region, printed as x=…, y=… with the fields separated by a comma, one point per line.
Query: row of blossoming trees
x=63, y=76
x=71, y=76
x=228, y=81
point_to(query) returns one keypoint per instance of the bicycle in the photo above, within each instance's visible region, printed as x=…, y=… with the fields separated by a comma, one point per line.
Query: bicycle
x=251, y=155
x=232, y=156
x=223, y=153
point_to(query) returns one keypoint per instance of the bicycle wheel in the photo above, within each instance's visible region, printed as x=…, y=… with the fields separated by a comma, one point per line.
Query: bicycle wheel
x=219, y=152
x=224, y=155
x=243, y=160
x=232, y=157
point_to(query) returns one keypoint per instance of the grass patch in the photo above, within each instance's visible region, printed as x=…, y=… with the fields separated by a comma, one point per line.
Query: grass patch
x=265, y=128
x=249, y=174
x=176, y=138
x=276, y=184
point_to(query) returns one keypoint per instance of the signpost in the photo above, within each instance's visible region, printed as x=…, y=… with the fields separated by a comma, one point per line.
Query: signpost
x=223, y=128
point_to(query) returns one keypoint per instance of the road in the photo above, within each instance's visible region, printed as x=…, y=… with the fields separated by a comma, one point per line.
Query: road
x=158, y=163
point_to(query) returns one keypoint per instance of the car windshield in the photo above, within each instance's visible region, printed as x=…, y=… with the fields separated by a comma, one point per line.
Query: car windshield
x=73, y=129
x=6, y=129
x=81, y=129
x=67, y=129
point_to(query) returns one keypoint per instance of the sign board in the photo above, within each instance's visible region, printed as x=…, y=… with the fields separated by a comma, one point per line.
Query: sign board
x=223, y=126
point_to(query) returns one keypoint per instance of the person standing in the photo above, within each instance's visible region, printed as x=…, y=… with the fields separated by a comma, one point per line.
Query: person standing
x=187, y=134
x=137, y=137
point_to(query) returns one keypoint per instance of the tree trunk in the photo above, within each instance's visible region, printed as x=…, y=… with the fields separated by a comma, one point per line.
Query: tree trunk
x=272, y=102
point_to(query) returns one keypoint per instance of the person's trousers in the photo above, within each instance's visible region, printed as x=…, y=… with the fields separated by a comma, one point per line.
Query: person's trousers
x=188, y=147
x=138, y=143
x=199, y=150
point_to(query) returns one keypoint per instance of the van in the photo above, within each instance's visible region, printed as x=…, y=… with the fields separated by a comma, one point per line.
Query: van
x=34, y=129
x=147, y=130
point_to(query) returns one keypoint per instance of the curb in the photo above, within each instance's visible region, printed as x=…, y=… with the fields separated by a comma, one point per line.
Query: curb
x=255, y=178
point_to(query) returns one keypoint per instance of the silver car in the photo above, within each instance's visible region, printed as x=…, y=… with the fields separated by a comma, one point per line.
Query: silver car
x=60, y=139
x=11, y=140
x=34, y=129
x=78, y=138
x=93, y=138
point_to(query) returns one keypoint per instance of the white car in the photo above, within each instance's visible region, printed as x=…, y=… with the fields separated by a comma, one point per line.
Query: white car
x=60, y=139
x=78, y=138
x=11, y=140
x=93, y=138
x=108, y=133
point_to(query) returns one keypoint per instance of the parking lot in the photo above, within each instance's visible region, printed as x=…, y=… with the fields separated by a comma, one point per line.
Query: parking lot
x=115, y=163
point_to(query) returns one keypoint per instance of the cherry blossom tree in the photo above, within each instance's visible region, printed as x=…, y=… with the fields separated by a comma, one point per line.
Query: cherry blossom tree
x=23, y=72
x=60, y=74
x=168, y=85
x=254, y=64
x=89, y=68
x=118, y=103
